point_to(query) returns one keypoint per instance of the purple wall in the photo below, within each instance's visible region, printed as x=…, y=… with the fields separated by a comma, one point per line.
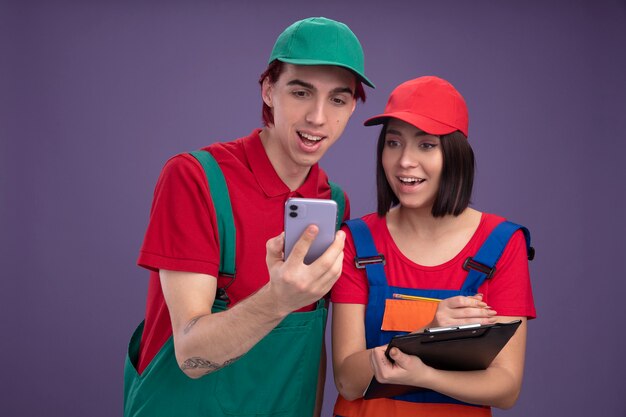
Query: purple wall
x=96, y=95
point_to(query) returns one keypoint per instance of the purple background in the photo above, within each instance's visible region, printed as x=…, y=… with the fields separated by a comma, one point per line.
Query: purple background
x=96, y=95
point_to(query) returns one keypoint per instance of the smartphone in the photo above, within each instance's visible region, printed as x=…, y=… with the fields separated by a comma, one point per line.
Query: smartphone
x=302, y=212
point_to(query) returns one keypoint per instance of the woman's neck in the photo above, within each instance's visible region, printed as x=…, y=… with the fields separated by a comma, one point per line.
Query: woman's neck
x=422, y=224
x=428, y=240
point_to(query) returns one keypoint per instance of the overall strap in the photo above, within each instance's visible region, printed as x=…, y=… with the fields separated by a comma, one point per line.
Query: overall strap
x=223, y=211
x=366, y=254
x=336, y=194
x=482, y=266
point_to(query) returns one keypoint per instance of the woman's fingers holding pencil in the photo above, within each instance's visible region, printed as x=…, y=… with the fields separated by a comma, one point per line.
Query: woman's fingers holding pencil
x=463, y=310
x=475, y=301
x=467, y=302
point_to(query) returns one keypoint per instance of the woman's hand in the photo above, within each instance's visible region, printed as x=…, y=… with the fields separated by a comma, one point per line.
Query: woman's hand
x=497, y=386
x=459, y=310
x=405, y=370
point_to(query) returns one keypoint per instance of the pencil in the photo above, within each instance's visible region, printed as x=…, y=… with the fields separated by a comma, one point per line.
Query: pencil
x=414, y=298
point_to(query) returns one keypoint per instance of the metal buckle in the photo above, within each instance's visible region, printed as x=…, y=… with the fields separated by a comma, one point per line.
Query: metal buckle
x=477, y=266
x=361, y=263
x=220, y=293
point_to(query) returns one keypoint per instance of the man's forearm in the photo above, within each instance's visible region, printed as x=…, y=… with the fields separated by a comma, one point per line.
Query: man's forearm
x=210, y=342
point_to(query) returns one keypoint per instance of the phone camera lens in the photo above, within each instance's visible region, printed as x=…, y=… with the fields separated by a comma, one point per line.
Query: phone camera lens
x=293, y=207
x=293, y=214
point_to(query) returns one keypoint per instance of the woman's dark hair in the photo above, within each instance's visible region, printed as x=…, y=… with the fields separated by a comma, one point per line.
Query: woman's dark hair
x=272, y=73
x=457, y=176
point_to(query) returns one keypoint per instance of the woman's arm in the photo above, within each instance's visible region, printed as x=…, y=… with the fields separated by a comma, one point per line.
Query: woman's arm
x=351, y=364
x=351, y=361
x=497, y=386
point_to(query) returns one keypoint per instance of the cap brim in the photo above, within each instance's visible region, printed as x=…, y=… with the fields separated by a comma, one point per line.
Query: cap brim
x=360, y=76
x=424, y=123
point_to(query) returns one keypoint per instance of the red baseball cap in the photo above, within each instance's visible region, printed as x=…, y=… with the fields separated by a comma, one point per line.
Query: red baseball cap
x=429, y=103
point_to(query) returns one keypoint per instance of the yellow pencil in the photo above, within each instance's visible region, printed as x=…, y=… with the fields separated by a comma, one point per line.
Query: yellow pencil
x=414, y=298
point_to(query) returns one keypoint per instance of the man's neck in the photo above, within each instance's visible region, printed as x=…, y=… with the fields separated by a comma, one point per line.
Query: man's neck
x=292, y=174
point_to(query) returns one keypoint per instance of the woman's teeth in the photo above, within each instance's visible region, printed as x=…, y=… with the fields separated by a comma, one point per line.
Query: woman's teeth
x=410, y=180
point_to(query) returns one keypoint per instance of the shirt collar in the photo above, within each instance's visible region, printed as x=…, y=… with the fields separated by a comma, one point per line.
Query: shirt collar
x=266, y=176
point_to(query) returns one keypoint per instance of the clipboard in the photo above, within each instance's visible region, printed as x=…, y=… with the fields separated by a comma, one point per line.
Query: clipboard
x=463, y=348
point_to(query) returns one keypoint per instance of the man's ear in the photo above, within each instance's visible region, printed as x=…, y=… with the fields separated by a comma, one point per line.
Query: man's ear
x=266, y=92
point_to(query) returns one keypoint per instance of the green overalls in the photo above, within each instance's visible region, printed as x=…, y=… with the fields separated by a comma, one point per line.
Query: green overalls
x=277, y=377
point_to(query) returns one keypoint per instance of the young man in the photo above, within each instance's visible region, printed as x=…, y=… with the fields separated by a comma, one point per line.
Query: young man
x=256, y=349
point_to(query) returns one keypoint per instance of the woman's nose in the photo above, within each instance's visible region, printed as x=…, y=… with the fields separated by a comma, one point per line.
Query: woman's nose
x=408, y=159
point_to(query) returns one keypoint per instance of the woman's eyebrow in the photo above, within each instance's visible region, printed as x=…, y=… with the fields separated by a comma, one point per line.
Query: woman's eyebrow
x=397, y=132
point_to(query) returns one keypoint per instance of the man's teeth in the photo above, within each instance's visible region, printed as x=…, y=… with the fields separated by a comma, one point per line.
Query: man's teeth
x=310, y=137
x=411, y=180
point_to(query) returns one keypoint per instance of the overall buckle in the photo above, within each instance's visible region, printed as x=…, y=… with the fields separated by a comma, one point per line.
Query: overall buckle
x=361, y=263
x=220, y=292
x=477, y=266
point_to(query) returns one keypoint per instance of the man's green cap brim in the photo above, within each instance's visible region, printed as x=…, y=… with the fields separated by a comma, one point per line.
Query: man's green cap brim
x=294, y=61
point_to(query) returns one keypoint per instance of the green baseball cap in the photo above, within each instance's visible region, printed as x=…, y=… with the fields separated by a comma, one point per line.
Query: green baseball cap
x=320, y=41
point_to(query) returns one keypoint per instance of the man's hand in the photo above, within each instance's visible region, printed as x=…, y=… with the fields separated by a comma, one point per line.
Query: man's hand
x=295, y=284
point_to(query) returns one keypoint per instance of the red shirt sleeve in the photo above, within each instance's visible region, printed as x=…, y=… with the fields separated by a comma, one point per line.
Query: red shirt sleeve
x=181, y=234
x=509, y=292
x=352, y=286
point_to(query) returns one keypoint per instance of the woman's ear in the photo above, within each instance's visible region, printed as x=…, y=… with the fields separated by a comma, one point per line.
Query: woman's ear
x=266, y=92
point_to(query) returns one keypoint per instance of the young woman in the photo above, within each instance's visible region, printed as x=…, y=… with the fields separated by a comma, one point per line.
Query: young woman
x=430, y=240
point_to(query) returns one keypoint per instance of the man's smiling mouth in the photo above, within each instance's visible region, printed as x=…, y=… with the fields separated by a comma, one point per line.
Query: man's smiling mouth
x=309, y=139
